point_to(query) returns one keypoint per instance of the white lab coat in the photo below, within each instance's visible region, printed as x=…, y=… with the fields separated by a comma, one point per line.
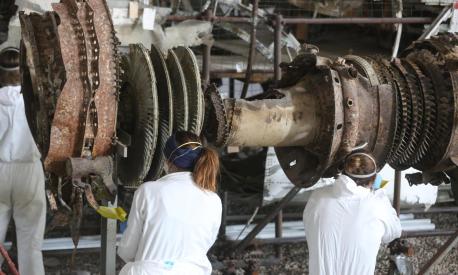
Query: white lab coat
x=22, y=193
x=344, y=226
x=171, y=226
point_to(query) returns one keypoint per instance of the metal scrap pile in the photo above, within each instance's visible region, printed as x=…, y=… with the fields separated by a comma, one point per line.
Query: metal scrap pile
x=401, y=111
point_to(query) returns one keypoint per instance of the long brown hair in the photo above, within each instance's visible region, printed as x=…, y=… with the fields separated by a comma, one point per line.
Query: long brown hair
x=206, y=169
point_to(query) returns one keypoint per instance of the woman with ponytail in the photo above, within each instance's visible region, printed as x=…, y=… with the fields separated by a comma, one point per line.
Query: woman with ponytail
x=175, y=220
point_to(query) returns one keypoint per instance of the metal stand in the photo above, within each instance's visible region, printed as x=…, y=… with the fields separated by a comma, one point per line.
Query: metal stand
x=247, y=240
x=442, y=17
x=108, y=243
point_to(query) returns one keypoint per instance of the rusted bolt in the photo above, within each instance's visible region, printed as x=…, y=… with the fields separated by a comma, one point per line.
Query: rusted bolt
x=349, y=102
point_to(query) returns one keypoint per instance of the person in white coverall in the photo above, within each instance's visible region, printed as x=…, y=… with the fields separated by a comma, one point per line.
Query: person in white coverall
x=22, y=190
x=346, y=222
x=174, y=221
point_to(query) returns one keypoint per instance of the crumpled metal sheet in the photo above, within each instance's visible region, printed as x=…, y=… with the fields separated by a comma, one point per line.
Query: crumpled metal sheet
x=79, y=94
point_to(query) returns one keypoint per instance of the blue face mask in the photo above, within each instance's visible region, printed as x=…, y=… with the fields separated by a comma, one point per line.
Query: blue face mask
x=377, y=182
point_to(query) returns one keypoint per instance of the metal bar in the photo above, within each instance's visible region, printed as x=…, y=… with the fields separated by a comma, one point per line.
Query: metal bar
x=206, y=64
x=444, y=15
x=247, y=240
x=315, y=21
x=206, y=59
x=451, y=209
x=277, y=47
x=433, y=233
x=397, y=41
x=358, y=20
x=231, y=19
x=289, y=216
x=397, y=191
x=231, y=88
x=279, y=232
x=251, y=53
x=108, y=244
x=441, y=253
x=222, y=230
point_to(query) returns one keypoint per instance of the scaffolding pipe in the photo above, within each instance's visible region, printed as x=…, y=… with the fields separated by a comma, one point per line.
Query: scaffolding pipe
x=277, y=47
x=251, y=54
x=358, y=20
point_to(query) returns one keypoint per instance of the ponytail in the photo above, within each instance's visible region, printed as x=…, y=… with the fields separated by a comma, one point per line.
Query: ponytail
x=206, y=169
x=185, y=151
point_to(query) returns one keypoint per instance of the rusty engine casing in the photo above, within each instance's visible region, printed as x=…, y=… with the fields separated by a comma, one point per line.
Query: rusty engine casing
x=70, y=74
x=404, y=112
x=69, y=79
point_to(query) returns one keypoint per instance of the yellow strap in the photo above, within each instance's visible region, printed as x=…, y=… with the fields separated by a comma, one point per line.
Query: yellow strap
x=116, y=213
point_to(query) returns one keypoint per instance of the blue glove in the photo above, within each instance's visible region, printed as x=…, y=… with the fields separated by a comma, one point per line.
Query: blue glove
x=122, y=227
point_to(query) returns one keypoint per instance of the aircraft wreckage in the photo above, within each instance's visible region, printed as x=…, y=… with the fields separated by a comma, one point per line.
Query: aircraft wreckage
x=86, y=103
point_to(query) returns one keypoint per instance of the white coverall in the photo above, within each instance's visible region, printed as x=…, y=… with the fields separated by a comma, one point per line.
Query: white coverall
x=344, y=226
x=22, y=190
x=172, y=224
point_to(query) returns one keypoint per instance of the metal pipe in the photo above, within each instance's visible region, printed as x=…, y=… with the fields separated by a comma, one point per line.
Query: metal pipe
x=441, y=253
x=397, y=41
x=292, y=216
x=252, y=49
x=279, y=231
x=277, y=47
x=358, y=20
x=231, y=19
x=397, y=191
x=231, y=88
x=432, y=233
x=247, y=240
x=222, y=230
x=451, y=209
x=206, y=64
x=310, y=21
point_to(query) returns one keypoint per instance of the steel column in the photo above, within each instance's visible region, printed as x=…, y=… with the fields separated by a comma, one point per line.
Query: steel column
x=108, y=243
x=247, y=240
x=222, y=229
x=231, y=88
x=251, y=54
x=279, y=231
x=206, y=64
x=277, y=47
x=397, y=191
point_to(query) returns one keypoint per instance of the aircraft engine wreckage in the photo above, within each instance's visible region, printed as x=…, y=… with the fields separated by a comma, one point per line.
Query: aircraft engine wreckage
x=74, y=80
x=70, y=73
x=405, y=112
